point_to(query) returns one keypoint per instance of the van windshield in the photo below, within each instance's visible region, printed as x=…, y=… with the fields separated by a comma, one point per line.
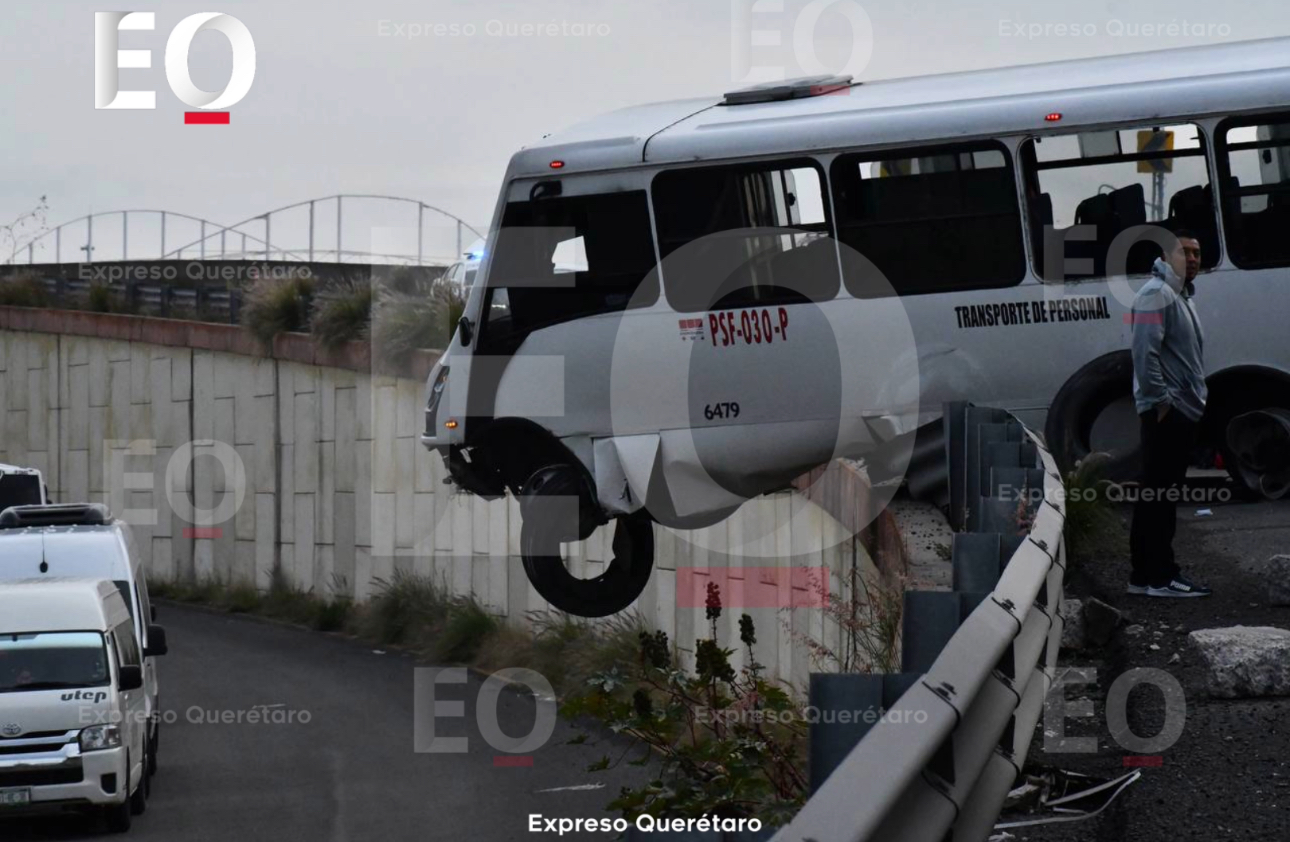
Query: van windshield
x=52, y=660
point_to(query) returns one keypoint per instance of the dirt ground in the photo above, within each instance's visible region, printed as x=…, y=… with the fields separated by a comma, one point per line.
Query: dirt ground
x=1228, y=774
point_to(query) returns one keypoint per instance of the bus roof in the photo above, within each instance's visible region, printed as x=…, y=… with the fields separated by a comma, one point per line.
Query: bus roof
x=1137, y=87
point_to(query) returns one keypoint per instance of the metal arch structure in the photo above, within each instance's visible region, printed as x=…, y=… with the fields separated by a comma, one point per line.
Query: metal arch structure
x=57, y=233
x=261, y=246
x=339, y=252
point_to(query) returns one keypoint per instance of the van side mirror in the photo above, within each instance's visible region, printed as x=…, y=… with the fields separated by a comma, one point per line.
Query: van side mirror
x=131, y=678
x=467, y=330
x=153, y=612
x=156, y=642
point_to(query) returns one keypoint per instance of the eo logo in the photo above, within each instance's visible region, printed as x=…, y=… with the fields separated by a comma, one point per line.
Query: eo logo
x=108, y=60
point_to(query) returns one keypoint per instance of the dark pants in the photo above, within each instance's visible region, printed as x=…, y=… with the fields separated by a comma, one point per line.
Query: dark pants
x=1166, y=450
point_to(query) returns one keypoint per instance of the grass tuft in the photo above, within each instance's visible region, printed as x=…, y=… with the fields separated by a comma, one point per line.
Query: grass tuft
x=275, y=305
x=1093, y=528
x=343, y=312
x=405, y=322
x=23, y=289
x=466, y=627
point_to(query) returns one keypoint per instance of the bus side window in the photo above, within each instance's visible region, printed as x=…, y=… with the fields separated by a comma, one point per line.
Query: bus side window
x=929, y=220
x=1114, y=181
x=1254, y=162
x=744, y=235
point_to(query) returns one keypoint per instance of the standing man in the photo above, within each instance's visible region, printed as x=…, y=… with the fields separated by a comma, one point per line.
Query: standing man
x=1169, y=394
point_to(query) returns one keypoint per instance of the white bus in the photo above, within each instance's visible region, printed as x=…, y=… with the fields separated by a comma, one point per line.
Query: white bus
x=794, y=272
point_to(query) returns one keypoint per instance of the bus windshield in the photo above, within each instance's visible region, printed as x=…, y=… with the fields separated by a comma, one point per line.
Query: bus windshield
x=564, y=257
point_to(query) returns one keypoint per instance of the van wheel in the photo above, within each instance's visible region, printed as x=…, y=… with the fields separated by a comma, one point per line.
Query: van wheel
x=555, y=505
x=153, y=747
x=139, y=799
x=1256, y=450
x=118, y=817
x=1089, y=393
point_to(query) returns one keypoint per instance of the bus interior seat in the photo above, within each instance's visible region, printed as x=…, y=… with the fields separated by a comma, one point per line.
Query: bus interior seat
x=809, y=271
x=1193, y=209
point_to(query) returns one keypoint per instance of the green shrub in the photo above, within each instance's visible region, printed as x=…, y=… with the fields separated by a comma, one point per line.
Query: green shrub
x=464, y=630
x=405, y=609
x=241, y=598
x=343, y=312
x=24, y=289
x=275, y=305
x=403, y=322
x=750, y=764
x=99, y=299
x=1093, y=529
x=332, y=614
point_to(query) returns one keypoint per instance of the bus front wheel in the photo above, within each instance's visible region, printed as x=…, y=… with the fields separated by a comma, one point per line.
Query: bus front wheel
x=555, y=505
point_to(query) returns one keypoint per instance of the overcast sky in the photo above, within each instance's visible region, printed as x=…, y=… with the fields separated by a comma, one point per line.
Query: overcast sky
x=353, y=98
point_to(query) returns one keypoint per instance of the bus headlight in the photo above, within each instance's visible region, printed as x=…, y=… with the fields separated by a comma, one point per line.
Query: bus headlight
x=436, y=397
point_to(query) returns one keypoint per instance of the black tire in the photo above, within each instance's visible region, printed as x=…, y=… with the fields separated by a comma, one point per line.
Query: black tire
x=547, y=521
x=1076, y=407
x=1247, y=483
x=154, y=746
x=139, y=798
x=118, y=817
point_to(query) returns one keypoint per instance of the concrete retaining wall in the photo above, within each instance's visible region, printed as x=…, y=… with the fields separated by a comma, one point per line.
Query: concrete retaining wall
x=338, y=491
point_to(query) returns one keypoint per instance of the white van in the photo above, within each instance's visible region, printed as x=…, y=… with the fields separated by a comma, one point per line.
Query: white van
x=83, y=540
x=73, y=718
x=810, y=269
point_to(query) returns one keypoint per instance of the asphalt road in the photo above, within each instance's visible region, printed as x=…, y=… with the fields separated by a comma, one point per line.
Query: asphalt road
x=1228, y=775
x=350, y=773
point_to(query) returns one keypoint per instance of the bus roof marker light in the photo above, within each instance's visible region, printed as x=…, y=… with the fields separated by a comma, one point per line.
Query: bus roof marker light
x=1053, y=117
x=557, y=165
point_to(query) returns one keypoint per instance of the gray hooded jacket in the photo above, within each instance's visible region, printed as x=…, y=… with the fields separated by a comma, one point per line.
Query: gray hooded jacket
x=1168, y=346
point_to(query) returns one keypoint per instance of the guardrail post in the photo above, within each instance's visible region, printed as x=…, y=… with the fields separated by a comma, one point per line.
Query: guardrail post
x=847, y=707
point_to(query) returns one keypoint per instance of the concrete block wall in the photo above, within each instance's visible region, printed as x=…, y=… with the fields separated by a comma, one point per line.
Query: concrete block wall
x=337, y=492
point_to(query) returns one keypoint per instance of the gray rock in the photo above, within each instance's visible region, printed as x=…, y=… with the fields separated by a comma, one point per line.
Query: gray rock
x=1244, y=661
x=1133, y=630
x=1100, y=622
x=1072, y=612
x=1275, y=574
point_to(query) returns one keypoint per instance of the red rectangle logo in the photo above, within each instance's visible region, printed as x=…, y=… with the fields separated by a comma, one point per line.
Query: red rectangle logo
x=205, y=118
x=754, y=587
x=203, y=531
x=1137, y=760
x=506, y=761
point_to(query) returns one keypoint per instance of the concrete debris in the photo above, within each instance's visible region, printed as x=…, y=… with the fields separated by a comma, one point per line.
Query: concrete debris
x=1243, y=661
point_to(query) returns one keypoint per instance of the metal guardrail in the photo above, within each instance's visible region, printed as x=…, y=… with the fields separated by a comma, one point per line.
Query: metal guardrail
x=977, y=661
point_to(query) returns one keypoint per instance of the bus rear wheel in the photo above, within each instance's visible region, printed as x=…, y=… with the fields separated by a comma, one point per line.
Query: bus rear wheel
x=556, y=507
